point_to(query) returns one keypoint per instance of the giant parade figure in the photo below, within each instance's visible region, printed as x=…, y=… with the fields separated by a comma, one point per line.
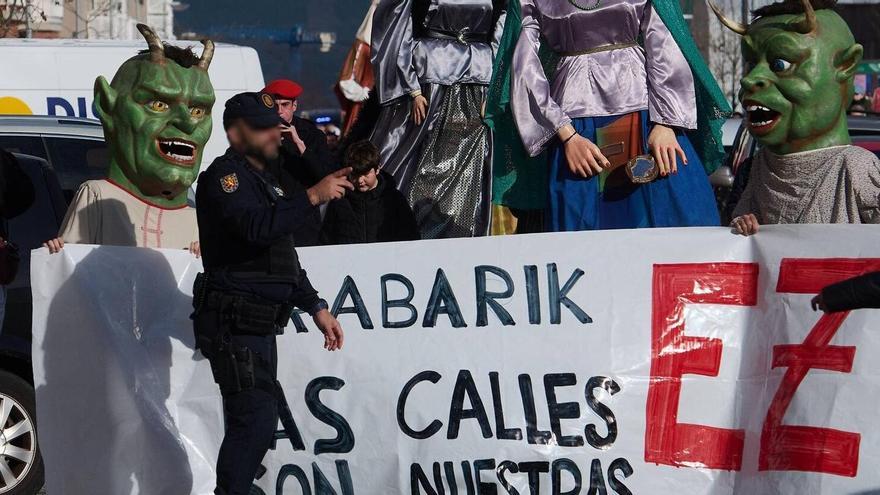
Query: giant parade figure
x=803, y=58
x=156, y=115
x=432, y=60
x=617, y=94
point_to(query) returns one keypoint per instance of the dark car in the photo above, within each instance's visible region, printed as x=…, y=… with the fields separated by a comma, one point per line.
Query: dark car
x=74, y=147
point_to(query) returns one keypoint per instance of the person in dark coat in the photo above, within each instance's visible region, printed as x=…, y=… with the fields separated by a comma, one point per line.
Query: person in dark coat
x=16, y=196
x=855, y=293
x=375, y=211
x=16, y=190
x=304, y=157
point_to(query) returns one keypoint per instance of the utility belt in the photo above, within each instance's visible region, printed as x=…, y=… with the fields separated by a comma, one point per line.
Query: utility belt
x=464, y=37
x=245, y=314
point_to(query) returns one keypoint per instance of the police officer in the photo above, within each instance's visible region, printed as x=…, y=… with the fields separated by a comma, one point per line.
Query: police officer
x=252, y=280
x=304, y=155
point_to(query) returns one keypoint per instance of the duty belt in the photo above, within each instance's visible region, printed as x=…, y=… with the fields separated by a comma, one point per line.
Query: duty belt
x=249, y=315
x=599, y=49
x=464, y=37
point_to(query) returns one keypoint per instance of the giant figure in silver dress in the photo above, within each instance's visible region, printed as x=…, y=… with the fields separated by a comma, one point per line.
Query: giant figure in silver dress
x=432, y=61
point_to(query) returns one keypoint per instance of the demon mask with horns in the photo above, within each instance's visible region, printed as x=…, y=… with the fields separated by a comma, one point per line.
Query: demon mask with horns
x=803, y=58
x=157, y=118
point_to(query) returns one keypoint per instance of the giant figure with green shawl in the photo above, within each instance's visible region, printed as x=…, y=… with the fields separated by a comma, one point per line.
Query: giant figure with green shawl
x=624, y=106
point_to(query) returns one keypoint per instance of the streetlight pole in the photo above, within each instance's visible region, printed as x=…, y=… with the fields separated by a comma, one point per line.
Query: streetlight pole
x=28, y=30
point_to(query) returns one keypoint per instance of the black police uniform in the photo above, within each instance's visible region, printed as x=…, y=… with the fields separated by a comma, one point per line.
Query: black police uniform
x=245, y=297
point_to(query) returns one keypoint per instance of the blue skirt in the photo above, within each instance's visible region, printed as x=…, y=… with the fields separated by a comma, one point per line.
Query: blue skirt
x=575, y=203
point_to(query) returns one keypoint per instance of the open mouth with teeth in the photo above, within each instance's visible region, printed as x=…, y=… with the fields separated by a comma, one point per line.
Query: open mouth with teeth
x=177, y=151
x=761, y=118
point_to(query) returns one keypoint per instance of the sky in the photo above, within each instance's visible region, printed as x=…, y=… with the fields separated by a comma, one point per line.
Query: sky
x=227, y=20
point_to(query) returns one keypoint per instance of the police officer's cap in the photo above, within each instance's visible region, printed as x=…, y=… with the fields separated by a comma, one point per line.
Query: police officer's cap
x=257, y=110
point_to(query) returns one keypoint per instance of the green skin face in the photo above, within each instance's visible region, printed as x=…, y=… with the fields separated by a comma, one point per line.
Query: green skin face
x=157, y=119
x=805, y=80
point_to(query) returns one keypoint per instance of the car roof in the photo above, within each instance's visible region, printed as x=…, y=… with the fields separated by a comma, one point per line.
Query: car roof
x=863, y=123
x=51, y=125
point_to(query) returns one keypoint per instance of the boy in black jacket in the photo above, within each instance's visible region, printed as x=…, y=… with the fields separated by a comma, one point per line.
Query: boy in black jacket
x=375, y=211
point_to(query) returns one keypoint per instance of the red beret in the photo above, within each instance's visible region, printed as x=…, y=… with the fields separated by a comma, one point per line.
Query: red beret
x=283, y=88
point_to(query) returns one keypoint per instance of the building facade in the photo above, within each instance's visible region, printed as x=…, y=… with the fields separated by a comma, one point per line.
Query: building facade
x=87, y=19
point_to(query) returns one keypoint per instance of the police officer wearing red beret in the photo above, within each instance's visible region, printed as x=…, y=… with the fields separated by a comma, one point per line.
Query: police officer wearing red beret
x=305, y=155
x=252, y=280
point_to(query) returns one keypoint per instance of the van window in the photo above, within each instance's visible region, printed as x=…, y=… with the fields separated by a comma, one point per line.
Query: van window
x=28, y=145
x=77, y=160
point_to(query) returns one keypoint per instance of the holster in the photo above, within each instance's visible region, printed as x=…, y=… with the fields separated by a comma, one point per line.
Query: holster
x=233, y=367
x=200, y=289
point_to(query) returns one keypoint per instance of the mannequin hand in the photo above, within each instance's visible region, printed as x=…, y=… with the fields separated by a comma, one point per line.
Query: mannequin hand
x=745, y=224
x=583, y=156
x=419, y=109
x=196, y=249
x=664, y=146
x=54, y=245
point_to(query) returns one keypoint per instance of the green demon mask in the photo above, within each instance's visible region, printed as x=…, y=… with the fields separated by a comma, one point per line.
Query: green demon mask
x=157, y=118
x=803, y=58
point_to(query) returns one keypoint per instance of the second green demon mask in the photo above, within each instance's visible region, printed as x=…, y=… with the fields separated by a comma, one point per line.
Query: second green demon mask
x=803, y=57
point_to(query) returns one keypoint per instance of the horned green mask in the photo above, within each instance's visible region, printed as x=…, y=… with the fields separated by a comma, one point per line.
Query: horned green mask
x=801, y=82
x=157, y=119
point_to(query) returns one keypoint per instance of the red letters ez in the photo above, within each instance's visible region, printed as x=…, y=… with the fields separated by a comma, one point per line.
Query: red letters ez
x=807, y=448
x=673, y=354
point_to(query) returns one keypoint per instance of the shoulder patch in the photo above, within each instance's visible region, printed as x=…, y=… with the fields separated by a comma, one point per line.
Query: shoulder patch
x=229, y=183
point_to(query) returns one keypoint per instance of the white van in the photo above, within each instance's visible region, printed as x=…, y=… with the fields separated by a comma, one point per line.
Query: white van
x=57, y=77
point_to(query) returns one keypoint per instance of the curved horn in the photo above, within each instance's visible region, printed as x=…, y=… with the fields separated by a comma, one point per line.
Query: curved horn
x=734, y=26
x=809, y=24
x=157, y=50
x=207, y=54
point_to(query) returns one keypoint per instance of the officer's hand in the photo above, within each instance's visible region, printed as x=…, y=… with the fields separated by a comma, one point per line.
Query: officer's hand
x=55, y=245
x=331, y=187
x=331, y=329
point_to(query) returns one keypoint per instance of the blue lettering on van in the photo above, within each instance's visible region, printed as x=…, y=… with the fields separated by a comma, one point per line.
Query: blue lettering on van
x=54, y=103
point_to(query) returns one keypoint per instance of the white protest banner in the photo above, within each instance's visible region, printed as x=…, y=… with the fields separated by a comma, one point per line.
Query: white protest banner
x=646, y=362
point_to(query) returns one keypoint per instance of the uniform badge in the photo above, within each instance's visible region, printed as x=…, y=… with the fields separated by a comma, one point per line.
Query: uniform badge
x=279, y=191
x=268, y=101
x=229, y=183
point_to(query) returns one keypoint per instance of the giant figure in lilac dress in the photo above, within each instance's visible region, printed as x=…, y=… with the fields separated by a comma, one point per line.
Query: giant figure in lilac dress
x=614, y=59
x=432, y=60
